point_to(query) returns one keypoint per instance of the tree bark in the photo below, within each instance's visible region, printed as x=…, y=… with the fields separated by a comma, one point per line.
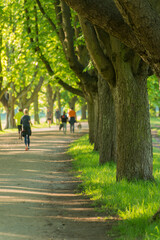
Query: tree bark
x=133, y=135
x=107, y=125
x=96, y=122
x=59, y=99
x=91, y=120
x=36, y=110
x=9, y=106
x=104, y=141
x=0, y=123
x=49, y=95
x=10, y=123
x=83, y=110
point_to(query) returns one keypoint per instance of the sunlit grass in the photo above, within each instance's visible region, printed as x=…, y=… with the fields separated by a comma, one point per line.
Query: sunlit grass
x=135, y=202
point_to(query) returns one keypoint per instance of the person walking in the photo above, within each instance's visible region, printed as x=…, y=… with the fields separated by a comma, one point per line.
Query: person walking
x=72, y=119
x=49, y=117
x=57, y=116
x=26, y=129
x=64, y=119
x=18, y=117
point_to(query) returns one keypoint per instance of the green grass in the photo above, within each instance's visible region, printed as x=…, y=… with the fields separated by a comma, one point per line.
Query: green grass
x=135, y=202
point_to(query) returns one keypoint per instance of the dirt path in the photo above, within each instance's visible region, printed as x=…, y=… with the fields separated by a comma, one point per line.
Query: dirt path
x=37, y=199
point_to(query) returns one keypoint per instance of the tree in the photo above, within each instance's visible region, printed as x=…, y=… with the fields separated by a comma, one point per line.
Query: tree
x=132, y=133
x=135, y=23
x=134, y=170
x=51, y=97
x=67, y=30
x=36, y=110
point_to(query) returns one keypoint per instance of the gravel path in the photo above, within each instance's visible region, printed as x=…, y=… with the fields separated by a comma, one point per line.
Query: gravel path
x=37, y=191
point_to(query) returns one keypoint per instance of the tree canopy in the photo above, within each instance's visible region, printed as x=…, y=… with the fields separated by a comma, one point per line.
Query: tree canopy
x=135, y=23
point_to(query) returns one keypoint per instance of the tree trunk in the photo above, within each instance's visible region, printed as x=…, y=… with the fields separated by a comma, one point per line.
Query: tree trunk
x=0, y=123
x=133, y=134
x=91, y=120
x=9, y=118
x=36, y=110
x=72, y=102
x=83, y=110
x=50, y=99
x=59, y=100
x=10, y=123
x=107, y=127
x=96, y=123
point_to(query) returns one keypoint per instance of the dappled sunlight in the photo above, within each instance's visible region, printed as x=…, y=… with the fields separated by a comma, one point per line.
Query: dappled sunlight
x=20, y=150
x=30, y=170
x=43, y=161
x=35, y=196
x=37, y=190
x=36, y=193
x=6, y=234
x=22, y=187
x=50, y=141
x=59, y=161
x=81, y=219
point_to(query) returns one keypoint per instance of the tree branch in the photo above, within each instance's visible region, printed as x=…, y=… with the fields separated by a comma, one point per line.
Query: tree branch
x=46, y=16
x=145, y=23
x=104, y=14
x=103, y=64
x=36, y=90
x=27, y=88
x=70, y=89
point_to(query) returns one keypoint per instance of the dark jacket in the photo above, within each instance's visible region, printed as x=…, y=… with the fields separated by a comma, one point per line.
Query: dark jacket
x=25, y=121
x=64, y=118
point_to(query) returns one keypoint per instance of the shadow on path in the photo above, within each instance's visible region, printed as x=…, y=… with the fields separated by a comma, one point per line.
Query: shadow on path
x=37, y=197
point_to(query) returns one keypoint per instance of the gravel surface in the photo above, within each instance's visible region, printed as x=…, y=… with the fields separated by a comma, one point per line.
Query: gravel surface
x=37, y=191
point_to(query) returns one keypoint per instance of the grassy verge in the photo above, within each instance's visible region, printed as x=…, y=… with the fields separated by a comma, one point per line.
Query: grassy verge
x=135, y=203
